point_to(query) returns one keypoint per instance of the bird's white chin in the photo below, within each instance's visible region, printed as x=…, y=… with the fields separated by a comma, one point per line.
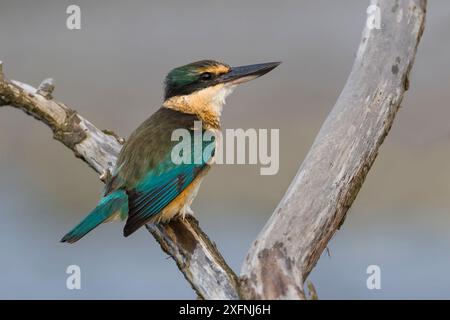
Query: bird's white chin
x=211, y=100
x=220, y=97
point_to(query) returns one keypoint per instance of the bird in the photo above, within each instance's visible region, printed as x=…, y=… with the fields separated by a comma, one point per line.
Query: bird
x=146, y=186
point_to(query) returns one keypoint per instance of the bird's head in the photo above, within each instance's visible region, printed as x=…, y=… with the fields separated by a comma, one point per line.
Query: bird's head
x=206, y=83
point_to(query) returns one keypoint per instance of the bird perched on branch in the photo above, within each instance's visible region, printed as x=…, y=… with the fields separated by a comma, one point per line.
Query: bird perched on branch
x=147, y=186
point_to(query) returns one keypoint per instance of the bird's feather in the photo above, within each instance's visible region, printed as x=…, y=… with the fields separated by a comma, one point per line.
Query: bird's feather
x=106, y=208
x=146, y=168
x=154, y=193
x=146, y=179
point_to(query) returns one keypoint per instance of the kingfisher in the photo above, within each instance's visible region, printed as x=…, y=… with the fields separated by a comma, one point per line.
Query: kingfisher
x=146, y=185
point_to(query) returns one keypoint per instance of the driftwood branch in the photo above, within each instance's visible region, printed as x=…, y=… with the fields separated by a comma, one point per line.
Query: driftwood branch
x=315, y=205
x=196, y=256
x=324, y=188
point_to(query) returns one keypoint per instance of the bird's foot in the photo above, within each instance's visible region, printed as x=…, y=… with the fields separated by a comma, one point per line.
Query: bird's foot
x=105, y=176
x=186, y=210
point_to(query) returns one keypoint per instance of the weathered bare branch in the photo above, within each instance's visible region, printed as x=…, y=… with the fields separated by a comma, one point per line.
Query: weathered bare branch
x=46, y=88
x=196, y=256
x=1, y=71
x=315, y=205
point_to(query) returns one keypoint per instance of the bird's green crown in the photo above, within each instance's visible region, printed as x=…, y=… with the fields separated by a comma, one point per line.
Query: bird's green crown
x=193, y=77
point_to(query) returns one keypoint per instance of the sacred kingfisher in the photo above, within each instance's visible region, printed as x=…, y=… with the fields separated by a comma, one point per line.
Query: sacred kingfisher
x=146, y=186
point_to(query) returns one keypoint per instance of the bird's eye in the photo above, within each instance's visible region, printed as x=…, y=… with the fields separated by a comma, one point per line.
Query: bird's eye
x=206, y=76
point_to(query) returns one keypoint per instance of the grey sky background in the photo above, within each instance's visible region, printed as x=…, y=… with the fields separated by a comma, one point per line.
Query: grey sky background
x=112, y=70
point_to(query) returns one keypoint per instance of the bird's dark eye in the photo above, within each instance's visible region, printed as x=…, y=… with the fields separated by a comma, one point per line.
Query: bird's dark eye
x=205, y=76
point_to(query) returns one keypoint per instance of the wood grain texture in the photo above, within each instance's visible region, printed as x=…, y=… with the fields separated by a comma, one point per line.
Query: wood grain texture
x=315, y=205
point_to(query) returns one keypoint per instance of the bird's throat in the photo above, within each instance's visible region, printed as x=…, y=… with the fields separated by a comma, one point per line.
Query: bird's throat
x=207, y=103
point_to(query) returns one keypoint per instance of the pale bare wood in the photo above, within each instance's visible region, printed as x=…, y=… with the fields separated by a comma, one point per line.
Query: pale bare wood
x=315, y=205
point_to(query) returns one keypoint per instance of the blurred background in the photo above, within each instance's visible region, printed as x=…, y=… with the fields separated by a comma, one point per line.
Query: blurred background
x=111, y=71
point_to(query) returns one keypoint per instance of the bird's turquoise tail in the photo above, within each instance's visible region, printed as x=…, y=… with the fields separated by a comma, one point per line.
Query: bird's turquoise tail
x=107, y=207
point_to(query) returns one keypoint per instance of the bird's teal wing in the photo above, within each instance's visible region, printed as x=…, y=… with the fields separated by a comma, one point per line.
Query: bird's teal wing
x=154, y=193
x=160, y=186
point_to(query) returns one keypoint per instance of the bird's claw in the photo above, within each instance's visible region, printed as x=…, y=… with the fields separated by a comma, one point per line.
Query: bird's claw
x=105, y=176
x=186, y=210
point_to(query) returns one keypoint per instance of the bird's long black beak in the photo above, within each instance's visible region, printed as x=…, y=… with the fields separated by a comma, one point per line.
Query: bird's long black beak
x=246, y=73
